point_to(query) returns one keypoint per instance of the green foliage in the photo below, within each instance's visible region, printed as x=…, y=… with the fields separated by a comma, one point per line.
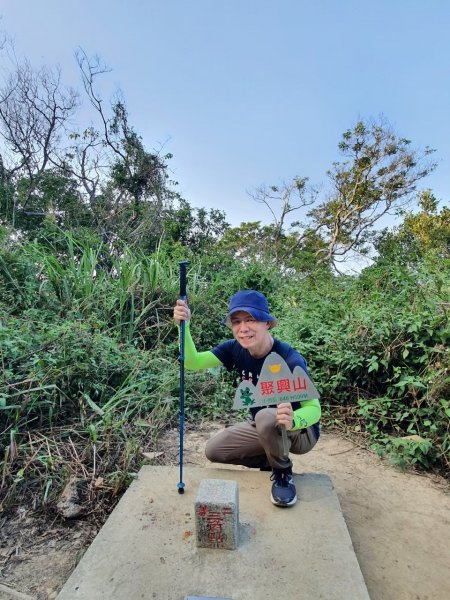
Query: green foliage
x=88, y=354
x=380, y=342
x=209, y=395
x=421, y=234
x=88, y=351
x=405, y=452
x=195, y=229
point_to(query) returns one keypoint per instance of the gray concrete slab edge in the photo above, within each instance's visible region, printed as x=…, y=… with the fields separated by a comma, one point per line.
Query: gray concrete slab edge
x=147, y=548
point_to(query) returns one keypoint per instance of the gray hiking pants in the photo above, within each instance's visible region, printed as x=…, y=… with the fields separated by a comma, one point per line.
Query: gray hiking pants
x=258, y=443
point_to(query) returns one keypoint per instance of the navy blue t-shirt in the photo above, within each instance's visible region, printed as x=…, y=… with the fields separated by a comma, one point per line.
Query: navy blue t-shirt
x=237, y=359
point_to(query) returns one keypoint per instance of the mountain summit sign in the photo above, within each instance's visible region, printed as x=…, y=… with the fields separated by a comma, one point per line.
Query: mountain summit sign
x=276, y=384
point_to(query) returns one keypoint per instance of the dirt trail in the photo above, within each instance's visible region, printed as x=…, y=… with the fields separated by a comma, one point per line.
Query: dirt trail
x=399, y=524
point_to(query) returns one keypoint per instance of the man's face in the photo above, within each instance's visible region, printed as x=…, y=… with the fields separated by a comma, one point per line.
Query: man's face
x=251, y=334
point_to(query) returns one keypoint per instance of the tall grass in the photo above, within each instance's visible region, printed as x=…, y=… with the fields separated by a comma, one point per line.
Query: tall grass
x=82, y=357
x=88, y=353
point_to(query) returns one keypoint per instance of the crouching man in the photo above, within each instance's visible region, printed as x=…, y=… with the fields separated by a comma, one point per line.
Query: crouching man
x=256, y=443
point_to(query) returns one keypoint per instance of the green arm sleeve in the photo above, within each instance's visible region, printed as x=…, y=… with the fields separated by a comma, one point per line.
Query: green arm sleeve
x=308, y=414
x=196, y=361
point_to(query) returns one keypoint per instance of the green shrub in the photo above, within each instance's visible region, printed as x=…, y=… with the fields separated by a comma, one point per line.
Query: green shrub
x=379, y=342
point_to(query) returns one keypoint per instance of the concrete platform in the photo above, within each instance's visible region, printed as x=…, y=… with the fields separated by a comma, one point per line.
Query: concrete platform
x=147, y=549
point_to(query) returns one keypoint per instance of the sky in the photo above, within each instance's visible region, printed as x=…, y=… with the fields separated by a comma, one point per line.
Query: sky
x=246, y=93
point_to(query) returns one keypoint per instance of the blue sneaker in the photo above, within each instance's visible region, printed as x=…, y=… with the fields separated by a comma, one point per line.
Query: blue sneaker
x=283, y=488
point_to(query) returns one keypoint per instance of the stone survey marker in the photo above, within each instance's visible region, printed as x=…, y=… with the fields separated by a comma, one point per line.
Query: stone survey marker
x=217, y=514
x=276, y=384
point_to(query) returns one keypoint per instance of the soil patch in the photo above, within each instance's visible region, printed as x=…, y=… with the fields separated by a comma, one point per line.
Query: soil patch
x=399, y=524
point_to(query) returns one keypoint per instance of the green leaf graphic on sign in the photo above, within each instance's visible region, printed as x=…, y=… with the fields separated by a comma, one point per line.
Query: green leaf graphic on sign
x=246, y=396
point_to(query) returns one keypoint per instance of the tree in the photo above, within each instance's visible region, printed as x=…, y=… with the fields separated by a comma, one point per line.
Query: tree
x=136, y=190
x=195, y=228
x=290, y=197
x=378, y=176
x=277, y=243
x=34, y=111
x=50, y=169
x=427, y=231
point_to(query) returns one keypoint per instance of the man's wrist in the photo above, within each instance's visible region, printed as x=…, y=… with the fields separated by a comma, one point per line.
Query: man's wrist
x=299, y=422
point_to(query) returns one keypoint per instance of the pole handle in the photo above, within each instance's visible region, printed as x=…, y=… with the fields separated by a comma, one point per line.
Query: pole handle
x=183, y=265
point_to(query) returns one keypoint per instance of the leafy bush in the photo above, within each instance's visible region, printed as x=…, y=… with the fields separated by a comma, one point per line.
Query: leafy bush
x=380, y=342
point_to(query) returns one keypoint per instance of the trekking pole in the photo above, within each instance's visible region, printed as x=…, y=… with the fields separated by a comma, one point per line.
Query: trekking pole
x=183, y=264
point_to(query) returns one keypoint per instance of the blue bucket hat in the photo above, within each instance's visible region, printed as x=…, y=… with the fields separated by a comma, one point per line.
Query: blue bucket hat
x=251, y=302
